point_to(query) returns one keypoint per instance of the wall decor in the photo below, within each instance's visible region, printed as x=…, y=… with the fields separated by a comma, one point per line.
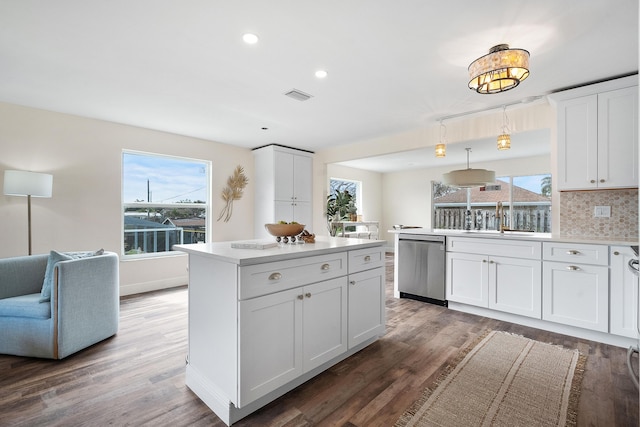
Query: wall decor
x=233, y=191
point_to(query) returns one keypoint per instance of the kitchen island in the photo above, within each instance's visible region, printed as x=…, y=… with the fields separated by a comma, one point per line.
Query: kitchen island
x=263, y=321
x=575, y=286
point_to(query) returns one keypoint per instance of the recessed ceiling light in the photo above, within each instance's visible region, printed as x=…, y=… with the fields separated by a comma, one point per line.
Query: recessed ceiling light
x=321, y=74
x=250, y=38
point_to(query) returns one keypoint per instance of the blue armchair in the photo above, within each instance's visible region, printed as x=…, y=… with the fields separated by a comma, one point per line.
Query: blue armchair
x=52, y=306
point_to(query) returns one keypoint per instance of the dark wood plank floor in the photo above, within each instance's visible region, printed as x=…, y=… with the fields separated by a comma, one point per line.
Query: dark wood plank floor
x=137, y=377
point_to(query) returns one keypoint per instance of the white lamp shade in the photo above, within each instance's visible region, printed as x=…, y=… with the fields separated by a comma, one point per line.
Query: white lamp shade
x=25, y=183
x=467, y=178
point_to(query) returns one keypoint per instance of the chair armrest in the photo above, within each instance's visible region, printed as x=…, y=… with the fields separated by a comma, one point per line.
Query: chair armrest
x=22, y=275
x=85, y=301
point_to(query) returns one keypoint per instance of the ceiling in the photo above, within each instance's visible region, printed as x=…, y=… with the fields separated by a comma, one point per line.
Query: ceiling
x=182, y=67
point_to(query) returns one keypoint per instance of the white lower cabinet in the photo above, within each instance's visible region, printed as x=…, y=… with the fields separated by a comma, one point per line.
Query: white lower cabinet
x=576, y=295
x=515, y=286
x=512, y=285
x=467, y=279
x=366, y=305
x=623, y=303
x=286, y=334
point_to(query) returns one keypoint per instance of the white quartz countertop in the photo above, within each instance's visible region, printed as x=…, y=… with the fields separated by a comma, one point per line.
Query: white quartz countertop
x=323, y=245
x=516, y=235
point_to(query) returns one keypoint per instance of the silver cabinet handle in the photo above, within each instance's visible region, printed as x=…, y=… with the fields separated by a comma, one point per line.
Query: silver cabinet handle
x=573, y=252
x=300, y=296
x=573, y=267
x=353, y=282
x=275, y=276
x=325, y=267
x=308, y=295
x=367, y=258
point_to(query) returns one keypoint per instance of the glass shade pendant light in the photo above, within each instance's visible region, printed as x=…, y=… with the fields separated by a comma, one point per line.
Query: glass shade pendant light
x=504, y=139
x=441, y=147
x=500, y=70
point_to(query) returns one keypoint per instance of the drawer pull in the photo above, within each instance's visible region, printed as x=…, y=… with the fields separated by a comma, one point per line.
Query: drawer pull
x=353, y=282
x=616, y=253
x=573, y=252
x=308, y=295
x=300, y=296
x=573, y=267
x=367, y=258
x=325, y=267
x=484, y=260
x=593, y=181
x=275, y=276
x=491, y=262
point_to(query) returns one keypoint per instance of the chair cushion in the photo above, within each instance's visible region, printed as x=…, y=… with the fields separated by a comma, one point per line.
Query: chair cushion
x=54, y=258
x=24, y=306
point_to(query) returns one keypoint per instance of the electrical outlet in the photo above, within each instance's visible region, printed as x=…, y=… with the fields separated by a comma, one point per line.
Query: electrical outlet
x=602, y=212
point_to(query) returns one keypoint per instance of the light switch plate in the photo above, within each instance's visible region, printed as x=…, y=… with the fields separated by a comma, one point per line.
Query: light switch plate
x=602, y=212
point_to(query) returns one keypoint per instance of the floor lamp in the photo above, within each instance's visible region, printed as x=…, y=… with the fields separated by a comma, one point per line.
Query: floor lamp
x=30, y=184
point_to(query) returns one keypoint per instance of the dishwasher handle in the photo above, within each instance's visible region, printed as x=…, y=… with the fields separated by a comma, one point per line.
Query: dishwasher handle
x=422, y=238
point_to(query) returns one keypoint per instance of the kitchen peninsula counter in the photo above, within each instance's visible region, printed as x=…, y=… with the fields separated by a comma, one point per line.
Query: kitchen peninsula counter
x=264, y=321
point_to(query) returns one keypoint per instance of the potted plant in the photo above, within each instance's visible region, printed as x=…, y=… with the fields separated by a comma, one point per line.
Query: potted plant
x=340, y=207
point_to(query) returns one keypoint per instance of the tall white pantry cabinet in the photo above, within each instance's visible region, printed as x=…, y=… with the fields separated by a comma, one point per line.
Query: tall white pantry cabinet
x=283, y=186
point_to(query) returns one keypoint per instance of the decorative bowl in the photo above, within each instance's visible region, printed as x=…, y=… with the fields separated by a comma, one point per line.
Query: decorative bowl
x=285, y=231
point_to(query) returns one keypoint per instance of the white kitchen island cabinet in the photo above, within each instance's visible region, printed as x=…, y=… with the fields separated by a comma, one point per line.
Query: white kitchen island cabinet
x=262, y=322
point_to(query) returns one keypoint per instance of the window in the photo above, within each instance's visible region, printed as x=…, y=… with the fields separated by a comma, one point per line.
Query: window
x=347, y=213
x=165, y=201
x=526, y=204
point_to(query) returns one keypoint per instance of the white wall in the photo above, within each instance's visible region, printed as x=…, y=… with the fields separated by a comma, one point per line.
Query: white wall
x=84, y=156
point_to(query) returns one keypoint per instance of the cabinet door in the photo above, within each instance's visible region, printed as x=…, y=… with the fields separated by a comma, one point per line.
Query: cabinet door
x=623, y=306
x=283, y=175
x=284, y=211
x=576, y=294
x=515, y=286
x=467, y=279
x=618, y=138
x=325, y=322
x=366, y=305
x=302, y=178
x=578, y=143
x=270, y=329
x=302, y=213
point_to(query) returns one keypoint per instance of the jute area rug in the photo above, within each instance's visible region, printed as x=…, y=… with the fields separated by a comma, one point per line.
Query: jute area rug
x=504, y=380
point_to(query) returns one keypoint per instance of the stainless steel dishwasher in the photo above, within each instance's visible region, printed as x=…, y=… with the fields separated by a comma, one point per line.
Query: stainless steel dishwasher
x=421, y=268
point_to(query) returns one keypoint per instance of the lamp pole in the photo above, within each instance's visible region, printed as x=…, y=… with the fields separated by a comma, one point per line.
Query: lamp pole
x=29, y=219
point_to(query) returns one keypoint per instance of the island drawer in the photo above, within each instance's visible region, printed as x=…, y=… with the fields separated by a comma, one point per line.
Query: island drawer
x=262, y=279
x=365, y=259
x=576, y=253
x=496, y=247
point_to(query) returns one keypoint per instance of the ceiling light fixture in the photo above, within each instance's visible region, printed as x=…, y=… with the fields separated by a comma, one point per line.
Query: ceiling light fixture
x=504, y=139
x=250, y=38
x=500, y=70
x=441, y=148
x=467, y=178
x=321, y=74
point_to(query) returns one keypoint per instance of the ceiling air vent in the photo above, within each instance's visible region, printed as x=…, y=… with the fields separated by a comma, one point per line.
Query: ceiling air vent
x=298, y=95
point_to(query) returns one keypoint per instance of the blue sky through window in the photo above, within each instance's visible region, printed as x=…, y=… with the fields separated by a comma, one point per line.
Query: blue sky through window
x=171, y=179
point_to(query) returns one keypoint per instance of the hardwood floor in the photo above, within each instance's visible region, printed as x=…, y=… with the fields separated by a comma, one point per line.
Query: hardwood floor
x=137, y=377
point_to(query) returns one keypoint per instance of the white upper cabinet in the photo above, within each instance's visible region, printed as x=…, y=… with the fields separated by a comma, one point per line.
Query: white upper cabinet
x=598, y=136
